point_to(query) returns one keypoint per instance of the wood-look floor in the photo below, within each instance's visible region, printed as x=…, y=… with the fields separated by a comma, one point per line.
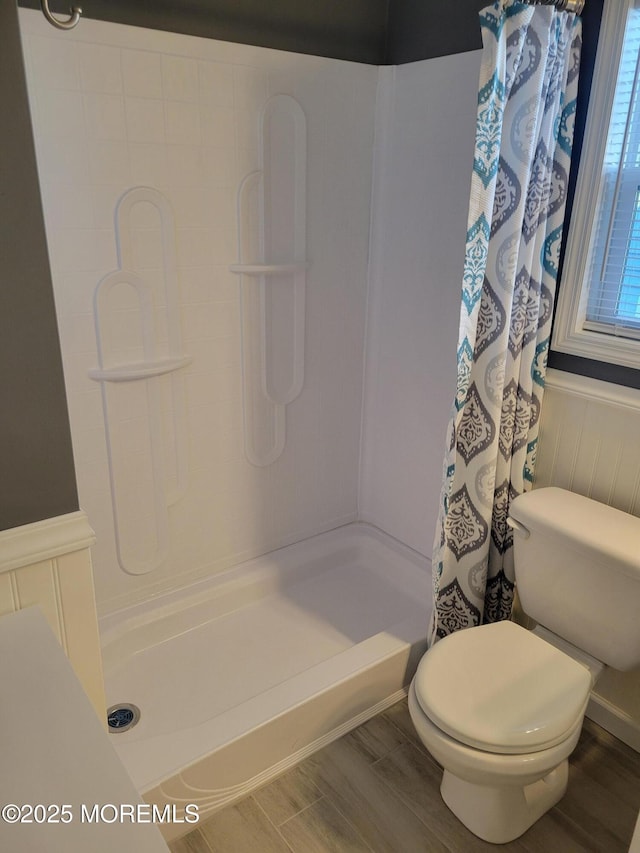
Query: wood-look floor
x=376, y=790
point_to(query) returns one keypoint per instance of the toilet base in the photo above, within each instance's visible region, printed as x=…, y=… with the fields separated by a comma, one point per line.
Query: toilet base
x=502, y=813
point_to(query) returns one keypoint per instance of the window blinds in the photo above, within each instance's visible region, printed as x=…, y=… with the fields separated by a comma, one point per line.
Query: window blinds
x=613, y=273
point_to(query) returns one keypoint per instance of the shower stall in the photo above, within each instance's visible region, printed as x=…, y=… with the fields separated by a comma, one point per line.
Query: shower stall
x=256, y=264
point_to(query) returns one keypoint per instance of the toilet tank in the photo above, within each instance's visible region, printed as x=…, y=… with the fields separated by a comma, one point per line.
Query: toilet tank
x=577, y=566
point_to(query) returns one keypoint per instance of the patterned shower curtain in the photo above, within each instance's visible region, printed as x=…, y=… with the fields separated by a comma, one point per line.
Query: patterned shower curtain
x=524, y=135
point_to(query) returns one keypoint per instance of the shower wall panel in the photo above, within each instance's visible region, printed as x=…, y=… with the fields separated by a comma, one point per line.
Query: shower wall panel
x=422, y=173
x=118, y=107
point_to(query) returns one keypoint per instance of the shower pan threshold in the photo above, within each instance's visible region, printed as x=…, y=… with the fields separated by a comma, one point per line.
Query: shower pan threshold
x=242, y=675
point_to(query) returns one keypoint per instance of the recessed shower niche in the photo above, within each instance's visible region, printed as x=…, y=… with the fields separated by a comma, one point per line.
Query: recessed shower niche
x=140, y=358
x=272, y=269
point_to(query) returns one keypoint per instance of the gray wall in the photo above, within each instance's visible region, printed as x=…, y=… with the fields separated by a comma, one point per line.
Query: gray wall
x=423, y=29
x=379, y=32
x=37, y=478
x=341, y=29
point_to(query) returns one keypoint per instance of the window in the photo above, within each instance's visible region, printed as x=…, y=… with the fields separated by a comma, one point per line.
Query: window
x=599, y=301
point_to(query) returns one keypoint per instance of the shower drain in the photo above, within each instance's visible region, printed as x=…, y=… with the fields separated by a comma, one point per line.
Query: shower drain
x=122, y=717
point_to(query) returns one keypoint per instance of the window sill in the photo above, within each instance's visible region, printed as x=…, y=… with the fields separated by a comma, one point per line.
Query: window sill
x=596, y=346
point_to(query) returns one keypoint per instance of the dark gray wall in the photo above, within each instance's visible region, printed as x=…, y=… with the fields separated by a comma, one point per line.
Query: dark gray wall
x=37, y=478
x=341, y=29
x=422, y=29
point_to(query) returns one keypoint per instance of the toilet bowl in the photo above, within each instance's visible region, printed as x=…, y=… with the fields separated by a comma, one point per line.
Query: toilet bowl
x=500, y=707
x=503, y=738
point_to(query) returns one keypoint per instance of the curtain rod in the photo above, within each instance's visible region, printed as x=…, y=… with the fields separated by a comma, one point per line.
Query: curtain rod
x=575, y=6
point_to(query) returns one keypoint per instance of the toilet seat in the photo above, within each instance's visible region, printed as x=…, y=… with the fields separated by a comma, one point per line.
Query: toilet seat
x=501, y=689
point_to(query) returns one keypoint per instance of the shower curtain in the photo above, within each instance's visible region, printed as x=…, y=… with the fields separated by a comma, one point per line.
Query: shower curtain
x=524, y=135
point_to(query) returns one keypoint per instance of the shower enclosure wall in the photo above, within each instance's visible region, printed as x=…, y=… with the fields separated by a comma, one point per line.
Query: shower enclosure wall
x=151, y=320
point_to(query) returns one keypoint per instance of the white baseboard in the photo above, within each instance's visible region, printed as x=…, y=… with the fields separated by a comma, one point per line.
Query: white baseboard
x=615, y=721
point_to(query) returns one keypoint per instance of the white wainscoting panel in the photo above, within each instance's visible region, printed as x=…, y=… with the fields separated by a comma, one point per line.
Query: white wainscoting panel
x=48, y=563
x=589, y=444
x=589, y=440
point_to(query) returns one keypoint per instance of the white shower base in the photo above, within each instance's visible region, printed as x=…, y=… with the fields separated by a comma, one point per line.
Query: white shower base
x=240, y=676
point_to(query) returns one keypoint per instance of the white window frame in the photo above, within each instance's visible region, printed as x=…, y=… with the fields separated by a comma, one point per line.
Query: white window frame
x=569, y=334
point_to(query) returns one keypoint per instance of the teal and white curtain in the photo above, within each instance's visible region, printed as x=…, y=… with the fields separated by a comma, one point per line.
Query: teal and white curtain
x=524, y=135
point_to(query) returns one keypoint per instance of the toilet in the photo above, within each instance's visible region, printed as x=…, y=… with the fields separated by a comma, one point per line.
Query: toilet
x=499, y=706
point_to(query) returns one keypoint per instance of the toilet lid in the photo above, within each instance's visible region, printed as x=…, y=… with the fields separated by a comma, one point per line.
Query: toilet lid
x=502, y=689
